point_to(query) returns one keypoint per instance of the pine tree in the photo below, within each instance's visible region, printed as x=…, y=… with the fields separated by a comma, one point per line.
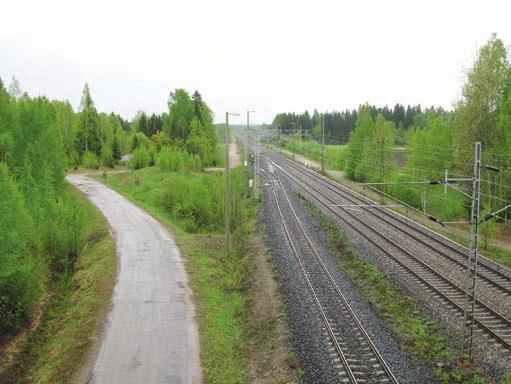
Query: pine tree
x=88, y=136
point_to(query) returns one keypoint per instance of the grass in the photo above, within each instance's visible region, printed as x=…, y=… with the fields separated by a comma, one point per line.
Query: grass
x=312, y=149
x=217, y=279
x=72, y=316
x=416, y=333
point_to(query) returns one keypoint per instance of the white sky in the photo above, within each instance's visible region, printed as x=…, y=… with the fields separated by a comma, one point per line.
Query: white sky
x=269, y=56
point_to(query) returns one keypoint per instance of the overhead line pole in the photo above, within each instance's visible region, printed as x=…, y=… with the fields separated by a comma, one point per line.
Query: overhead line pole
x=227, y=185
x=471, y=276
x=323, y=143
x=382, y=168
x=256, y=176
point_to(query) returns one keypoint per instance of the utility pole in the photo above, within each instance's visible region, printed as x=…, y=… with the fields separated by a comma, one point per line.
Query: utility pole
x=382, y=167
x=300, y=127
x=323, y=144
x=245, y=163
x=246, y=137
x=227, y=185
x=470, y=283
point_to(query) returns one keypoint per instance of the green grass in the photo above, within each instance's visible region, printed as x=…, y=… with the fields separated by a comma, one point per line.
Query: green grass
x=312, y=150
x=72, y=315
x=217, y=279
x=416, y=333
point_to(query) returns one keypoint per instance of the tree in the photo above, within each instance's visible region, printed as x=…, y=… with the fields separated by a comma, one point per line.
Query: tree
x=143, y=125
x=66, y=124
x=181, y=113
x=359, y=142
x=15, y=89
x=116, y=149
x=477, y=112
x=88, y=136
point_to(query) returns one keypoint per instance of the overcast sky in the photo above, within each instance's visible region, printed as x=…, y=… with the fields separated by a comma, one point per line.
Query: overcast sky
x=268, y=56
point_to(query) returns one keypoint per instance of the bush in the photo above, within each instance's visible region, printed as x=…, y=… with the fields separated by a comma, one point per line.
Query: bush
x=197, y=200
x=141, y=158
x=65, y=240
x=17, y=293
x=170, y=159
x=90, y=160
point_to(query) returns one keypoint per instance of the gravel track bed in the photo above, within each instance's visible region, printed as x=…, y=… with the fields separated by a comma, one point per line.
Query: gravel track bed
x=487, y=294
x=494, y=361
x=309, y=339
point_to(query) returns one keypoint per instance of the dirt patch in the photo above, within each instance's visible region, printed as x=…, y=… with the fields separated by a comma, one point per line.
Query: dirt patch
x=234, y=156
x=270, y=358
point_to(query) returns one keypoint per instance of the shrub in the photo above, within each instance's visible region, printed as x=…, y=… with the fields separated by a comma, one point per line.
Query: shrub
x=170, y=159
x=198, y=201
x=141, y=158
x=65, y=241
x=17, y=293
x=90, y=160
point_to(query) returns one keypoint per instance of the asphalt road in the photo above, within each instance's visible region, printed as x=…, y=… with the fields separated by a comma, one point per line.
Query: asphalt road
x=151, y=335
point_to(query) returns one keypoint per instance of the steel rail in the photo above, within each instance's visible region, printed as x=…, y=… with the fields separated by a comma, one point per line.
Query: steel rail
x=331, y=281
x=422, y=279
x=335, y=187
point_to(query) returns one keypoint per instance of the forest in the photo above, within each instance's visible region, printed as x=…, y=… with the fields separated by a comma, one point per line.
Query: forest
x=41, y=231
x=403, y=146
x=340, y=125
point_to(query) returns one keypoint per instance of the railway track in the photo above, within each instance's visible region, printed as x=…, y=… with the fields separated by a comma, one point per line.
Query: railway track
x=489, y=275
x=356, y=358
x=487, y=320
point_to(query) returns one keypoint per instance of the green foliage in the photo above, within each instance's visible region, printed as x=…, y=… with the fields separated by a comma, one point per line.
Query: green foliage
x=73, y=310
x=88, y=138
x=18, y=292
x=196, y=201
x=371, y=143
x=141, y=158
x=172, y=159
x=334, y=154
x=477, y=112
x=181, y=113
x=65, y=238
x=359, y=141
x=107, y=156
x=90, y=160
x=139, y=140
x=18, y=288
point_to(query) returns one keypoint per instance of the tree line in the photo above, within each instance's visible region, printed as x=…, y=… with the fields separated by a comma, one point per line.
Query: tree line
x=420, y=145
x=339, y=125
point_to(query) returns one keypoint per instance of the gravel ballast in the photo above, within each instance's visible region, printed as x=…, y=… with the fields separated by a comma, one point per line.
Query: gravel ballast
x=493, y=361
x=308, y=337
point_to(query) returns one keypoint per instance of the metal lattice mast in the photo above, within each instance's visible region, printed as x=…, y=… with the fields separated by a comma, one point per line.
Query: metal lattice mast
x=470, y=295
x=323, y=143
x=256, y=176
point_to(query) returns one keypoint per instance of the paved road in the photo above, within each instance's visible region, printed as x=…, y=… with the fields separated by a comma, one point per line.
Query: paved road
x=151, y=334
